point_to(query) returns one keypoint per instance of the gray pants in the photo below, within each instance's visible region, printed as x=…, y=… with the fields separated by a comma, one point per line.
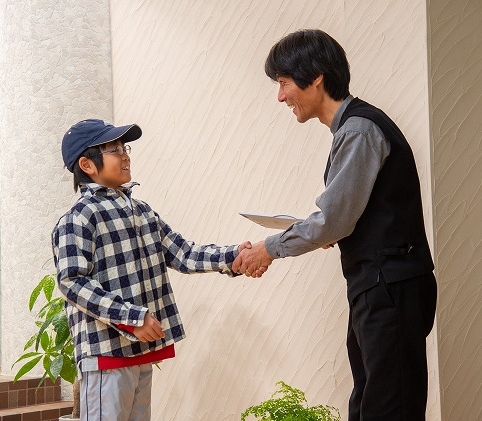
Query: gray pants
x=122, y=394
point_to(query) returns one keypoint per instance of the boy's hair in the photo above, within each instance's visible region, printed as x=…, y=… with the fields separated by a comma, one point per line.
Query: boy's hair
x=306, y=54
x=80, y=177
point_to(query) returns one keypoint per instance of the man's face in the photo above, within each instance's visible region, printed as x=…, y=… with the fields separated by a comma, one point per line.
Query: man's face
x=303, y=102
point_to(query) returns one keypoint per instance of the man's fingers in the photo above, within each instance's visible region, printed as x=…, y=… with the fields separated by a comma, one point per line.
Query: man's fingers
x=236, y=265
x=259, y=272
x=238, y=262
x=242, y=261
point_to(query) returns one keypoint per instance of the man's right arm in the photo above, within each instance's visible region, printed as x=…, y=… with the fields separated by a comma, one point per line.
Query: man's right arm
x=356, y=159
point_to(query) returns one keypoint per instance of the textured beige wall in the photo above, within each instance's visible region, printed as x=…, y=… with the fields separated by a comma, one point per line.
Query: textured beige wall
x=216, y=142
x=456, y=80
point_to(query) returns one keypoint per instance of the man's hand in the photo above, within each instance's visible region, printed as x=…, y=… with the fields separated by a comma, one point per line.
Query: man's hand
x=261, y=270
x=150, y=331
x=253, y=261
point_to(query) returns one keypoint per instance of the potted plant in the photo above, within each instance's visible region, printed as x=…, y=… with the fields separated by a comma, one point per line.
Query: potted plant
x=52, y=345
x=290, y=405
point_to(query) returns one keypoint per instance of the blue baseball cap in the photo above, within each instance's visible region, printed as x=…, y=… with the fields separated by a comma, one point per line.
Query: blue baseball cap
x=93, y=132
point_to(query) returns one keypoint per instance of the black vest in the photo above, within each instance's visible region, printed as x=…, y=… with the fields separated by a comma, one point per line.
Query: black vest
x=390, y=235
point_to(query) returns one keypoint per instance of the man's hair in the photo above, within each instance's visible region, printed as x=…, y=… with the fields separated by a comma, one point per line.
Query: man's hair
x=80, y=177
x=306, y=54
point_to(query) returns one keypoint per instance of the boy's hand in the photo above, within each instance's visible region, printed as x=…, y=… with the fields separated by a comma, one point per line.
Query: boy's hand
x=150, y=331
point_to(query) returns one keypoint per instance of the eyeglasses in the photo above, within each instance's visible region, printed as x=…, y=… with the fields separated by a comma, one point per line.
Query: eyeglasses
x=121, y=150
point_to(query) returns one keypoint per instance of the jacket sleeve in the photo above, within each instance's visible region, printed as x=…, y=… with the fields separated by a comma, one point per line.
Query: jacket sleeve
x=187, y=257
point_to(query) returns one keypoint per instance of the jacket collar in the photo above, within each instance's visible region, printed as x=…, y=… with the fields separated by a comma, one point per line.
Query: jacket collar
x=93, y=188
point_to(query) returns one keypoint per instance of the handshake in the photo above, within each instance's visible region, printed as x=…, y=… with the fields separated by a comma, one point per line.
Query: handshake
x=253, y=259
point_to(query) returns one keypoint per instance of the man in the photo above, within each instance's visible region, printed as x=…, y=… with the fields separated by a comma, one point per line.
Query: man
x=372, y=208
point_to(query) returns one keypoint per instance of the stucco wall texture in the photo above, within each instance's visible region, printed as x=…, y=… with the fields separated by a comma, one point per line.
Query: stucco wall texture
x=55, y=69
x=216, y=142
x=456, y=103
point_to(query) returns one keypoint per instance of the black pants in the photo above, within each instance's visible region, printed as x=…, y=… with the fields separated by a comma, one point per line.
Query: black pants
x=386, y=342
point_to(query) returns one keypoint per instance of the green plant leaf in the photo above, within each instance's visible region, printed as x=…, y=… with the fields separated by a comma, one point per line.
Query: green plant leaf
x=289, y=404
x=41, y=332
x=34, y=295
x=42, y=379
x=45, y=341
x=55, y=306
x=61, y=327
x=69, y=370
x=56, y=366
x=69, y=348
x=30, y=342
x=47, y=285
x=25, y=356
x=50, y=308
x=52, y=342
x=48, y=282
x=27, y=367
x=47, y=364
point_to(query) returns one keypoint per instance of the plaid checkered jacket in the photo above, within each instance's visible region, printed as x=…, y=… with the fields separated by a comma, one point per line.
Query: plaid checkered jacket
x=112, y=268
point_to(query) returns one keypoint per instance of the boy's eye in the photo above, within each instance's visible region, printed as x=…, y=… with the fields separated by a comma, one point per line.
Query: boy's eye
x=120, y=150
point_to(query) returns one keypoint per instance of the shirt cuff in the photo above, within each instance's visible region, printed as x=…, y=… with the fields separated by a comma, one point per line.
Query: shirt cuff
x=134, y=316
x=274, y=247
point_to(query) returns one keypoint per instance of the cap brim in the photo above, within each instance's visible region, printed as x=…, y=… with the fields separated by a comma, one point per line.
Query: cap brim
x=128, y=133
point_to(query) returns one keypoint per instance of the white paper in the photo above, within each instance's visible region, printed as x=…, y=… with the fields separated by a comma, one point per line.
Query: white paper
x=272, y=221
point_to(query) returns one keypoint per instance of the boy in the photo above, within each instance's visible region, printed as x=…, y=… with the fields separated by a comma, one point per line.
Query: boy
x=112, y=253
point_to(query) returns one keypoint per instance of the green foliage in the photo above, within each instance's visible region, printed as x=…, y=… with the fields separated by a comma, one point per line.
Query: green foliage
x=290, y=406
x=51, y=345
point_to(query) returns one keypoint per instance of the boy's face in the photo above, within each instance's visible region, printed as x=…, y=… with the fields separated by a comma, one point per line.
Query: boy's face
x=117, y=168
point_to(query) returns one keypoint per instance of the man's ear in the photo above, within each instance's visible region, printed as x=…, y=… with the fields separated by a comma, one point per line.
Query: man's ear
x=87, y=166
x=318, y=80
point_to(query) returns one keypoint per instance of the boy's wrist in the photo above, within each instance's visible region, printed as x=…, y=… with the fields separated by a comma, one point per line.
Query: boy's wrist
x=127, y=328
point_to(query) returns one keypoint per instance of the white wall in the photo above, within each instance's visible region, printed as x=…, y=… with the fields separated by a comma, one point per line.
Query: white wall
x=215, y=143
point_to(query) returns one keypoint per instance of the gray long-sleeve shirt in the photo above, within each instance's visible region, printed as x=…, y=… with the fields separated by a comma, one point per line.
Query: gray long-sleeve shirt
x=358, y=152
